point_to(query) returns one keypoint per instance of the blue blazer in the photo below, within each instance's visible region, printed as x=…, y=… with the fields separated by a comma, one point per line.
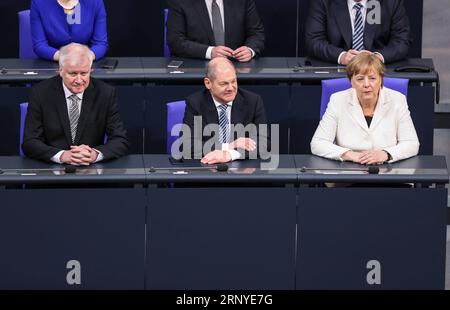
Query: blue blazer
x=50, y=29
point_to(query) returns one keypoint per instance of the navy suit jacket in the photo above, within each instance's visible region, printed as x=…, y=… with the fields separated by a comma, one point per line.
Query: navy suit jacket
x=329, y=30
x=47, y=125
x=247, y=108
x=189, y=30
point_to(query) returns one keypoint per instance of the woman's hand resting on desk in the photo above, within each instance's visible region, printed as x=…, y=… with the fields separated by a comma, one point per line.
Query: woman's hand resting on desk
x=371, y=157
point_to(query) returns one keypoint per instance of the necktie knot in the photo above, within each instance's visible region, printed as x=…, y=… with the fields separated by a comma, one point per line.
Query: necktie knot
x=358, y=6
x=74, y=97
x=223, y=107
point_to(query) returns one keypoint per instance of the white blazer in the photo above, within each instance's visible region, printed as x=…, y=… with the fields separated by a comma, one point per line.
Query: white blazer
x=343, y=127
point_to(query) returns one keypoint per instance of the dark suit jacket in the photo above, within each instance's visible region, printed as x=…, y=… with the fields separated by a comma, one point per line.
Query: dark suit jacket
x=189, y=30
x=47, y=126
x=247, y=108
x=329, y=30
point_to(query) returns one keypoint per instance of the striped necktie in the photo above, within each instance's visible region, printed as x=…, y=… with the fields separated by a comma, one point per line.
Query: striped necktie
x=219, y=34
x=358, y=34
x=224, y=124
x=74, y=115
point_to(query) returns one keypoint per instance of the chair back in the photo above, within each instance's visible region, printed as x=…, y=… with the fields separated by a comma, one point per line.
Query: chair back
x=332, y=86
x=25, y=41
x=166, y=47
x=175, y=114
x=23, y=116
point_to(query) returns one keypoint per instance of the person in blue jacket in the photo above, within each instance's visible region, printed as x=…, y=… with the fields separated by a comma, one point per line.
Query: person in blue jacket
x=56, y=23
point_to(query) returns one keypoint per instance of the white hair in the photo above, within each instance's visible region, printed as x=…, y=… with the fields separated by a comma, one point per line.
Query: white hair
x=75, y=52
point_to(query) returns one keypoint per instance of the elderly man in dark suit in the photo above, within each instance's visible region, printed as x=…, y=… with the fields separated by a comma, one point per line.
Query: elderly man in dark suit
x=337, y=30
x=223, y=108
x=69, y=115
x=214, y=28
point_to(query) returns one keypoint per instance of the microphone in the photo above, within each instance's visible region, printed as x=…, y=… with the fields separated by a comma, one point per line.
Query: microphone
x=218, y=167
x=70, y=169
x=67, y=169
x=369, y=169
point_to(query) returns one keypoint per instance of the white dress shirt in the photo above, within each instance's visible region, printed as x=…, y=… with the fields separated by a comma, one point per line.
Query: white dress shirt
x=67, y=93
x=225, y=146
x=220, y=4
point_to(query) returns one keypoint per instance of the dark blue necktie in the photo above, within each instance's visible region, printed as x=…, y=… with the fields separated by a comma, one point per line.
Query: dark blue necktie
x=358, y=34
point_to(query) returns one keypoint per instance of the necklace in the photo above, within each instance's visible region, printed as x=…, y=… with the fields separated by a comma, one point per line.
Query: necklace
x=68, y=6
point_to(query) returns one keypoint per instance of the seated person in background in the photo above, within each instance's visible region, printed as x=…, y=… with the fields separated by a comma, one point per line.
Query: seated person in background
x=368, y=123
x=222, y=105
x=56, y=23
x=69, y=115
x=337, y=30
x=214, y=28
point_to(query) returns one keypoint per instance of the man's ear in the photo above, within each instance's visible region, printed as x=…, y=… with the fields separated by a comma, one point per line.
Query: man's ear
x=207, y=83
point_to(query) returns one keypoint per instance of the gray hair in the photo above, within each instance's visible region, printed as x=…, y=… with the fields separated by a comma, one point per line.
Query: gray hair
x=211, y=69
x=75, y=52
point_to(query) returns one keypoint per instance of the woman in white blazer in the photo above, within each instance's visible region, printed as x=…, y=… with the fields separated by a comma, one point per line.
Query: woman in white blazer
x=368, y=123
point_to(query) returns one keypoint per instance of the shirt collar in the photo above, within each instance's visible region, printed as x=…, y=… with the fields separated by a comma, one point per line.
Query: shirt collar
x=68, y=93
x=351, y=3
x=217, y=103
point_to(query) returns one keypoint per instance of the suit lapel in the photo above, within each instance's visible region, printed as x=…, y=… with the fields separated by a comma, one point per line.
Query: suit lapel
x=211, y=116
x=238, y=110
x=88, y=99
x=61, y=106
x=369, y=33
x=342, y=17
x=228, y=22
x=381, y=109
x=356, y=112
x=200, y=6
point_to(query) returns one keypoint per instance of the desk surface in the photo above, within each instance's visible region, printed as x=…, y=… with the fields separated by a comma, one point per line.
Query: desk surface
x=154, y=69
x=126, y=170
x=133, y=169
x=242, y=171
x=432, y=169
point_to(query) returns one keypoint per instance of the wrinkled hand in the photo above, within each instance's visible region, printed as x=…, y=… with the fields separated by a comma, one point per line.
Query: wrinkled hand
x=216, y=157
x=243, y=143
x=345, y=59
x=221, y=51
x=352, y=156
x=243, y=54
x=373, y=157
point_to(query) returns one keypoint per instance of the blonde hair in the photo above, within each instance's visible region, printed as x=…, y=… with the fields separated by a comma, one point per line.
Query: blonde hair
x=363, y=63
